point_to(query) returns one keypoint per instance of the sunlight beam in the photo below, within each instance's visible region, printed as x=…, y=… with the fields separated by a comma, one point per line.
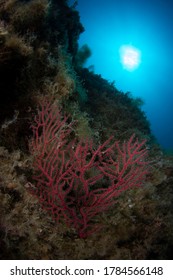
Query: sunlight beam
x=130, y=57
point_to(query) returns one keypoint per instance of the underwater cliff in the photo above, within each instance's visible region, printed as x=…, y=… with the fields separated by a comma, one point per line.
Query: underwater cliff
x=40, y=60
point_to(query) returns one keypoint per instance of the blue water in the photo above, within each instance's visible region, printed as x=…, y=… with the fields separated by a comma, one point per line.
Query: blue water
x=147, y=25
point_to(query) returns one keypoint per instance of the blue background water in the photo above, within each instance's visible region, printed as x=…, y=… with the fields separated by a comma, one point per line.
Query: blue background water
x=147, y=25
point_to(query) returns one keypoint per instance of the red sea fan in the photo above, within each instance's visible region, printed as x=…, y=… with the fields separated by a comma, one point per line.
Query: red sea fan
x=69, y=174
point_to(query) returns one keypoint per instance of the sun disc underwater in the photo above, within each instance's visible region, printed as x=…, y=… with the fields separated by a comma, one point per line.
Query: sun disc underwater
x=130, y=57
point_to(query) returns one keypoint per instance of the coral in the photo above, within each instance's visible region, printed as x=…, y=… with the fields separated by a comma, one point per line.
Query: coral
x=69, y=178
x=40, y=51
x=138, y=226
